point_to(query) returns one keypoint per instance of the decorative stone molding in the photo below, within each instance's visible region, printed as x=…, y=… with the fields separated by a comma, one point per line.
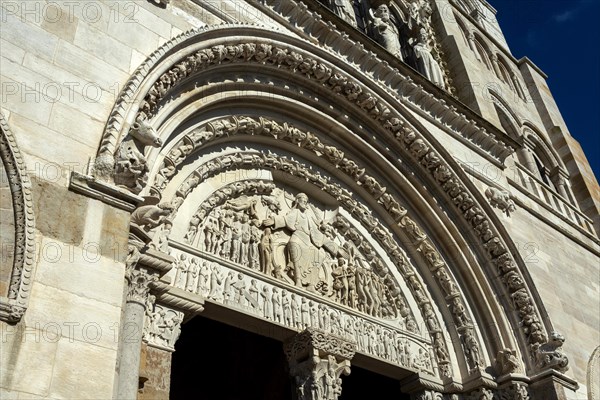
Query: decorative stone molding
x=388, y=77
x=12, y=307
x=317, y=361
x=336, y=81
x=438, y=267
x=500, y=199
x=593, y=371
x=107, y=193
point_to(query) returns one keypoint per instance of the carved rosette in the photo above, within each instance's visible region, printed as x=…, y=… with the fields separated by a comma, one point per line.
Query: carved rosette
x=317, y=362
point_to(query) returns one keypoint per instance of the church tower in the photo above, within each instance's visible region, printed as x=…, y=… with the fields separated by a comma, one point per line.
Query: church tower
x=291, y=200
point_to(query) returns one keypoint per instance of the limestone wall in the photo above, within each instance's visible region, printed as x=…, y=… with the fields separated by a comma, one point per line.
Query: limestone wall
x=61, y=71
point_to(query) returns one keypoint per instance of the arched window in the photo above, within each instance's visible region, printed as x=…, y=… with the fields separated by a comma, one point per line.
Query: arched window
x=482, y=53
x=463, y=30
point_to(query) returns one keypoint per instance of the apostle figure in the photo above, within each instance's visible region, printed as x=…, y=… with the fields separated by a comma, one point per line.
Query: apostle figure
x=344, y=9
x=385, y=31
x=426, y=64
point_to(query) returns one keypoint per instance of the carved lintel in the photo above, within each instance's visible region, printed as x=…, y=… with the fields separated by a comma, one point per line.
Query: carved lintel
x=317, y=361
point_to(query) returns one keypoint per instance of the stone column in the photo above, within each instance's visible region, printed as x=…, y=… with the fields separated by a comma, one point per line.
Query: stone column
x=496, y=66
x=143, y=269
x=317, y=361
x=132, y=327
x=472, y=45
x=518, y=86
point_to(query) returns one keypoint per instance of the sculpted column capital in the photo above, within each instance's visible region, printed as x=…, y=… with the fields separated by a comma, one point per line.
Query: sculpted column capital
x=138, y=285
x=317, y=361
x=143, y=268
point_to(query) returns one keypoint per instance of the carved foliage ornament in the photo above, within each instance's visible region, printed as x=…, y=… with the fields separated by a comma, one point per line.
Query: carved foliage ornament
x=13, y=307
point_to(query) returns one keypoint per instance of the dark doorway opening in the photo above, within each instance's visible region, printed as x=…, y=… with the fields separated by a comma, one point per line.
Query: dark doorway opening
x=363, y=384
x=214, y=361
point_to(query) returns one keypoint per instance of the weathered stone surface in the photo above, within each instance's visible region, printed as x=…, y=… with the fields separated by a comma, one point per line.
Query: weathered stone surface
x=288, y=97
x=155, y=372
x=60, y=212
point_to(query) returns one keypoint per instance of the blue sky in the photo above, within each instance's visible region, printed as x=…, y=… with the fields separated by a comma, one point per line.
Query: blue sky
x=562, y=38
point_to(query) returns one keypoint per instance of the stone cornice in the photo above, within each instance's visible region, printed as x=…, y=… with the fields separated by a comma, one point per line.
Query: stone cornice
x=14, y=305
x=105, y=192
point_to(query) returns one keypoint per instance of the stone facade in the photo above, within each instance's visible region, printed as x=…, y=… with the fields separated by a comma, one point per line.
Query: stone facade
x=372, y=183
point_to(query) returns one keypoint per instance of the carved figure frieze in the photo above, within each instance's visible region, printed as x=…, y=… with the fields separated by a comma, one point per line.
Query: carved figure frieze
x=285, y=239
x=412, y=229
x=298, y=311
x=237, y=160
x=162, y=326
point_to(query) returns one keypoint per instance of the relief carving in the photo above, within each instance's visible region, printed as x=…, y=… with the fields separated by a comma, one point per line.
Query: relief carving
x=162, y=327
x=317, y=361
x=385, y=30
x=507, y=362
x=131, y=169
x=295, y=310
x=500, y=199
x=550, y=354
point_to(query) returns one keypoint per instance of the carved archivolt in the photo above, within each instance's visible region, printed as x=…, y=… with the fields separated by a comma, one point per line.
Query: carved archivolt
x=13, y=307
x=203, y=219
x=410, y=141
